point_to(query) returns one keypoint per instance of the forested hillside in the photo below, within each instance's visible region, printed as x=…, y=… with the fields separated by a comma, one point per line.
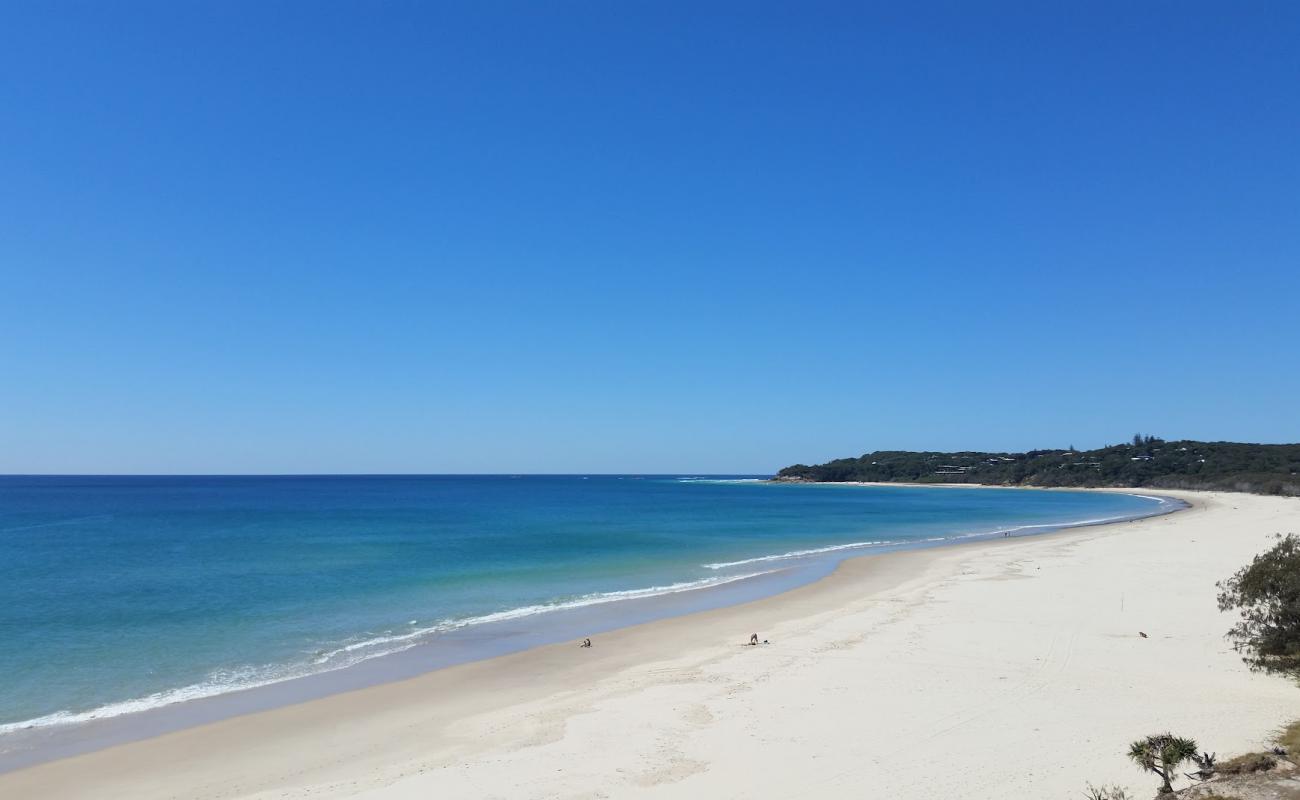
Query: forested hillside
x=1145, y=461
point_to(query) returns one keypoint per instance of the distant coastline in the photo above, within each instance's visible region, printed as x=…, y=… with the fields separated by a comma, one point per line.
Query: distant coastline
x=1147, y=462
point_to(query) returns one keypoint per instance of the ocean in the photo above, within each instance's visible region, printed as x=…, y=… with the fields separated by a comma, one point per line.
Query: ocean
x=122, y=594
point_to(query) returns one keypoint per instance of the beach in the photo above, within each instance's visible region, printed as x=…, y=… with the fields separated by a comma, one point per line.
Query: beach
x=1003, y=667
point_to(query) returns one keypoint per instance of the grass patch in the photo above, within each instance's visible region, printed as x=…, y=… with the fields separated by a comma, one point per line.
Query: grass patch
x=1290, y=739
x=1247, y=764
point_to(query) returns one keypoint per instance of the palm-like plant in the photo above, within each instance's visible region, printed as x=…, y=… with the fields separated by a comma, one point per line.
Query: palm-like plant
x=1162, y=754
x=1206, y=765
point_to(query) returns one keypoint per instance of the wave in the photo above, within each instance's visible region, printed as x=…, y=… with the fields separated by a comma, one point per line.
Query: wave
x=798, y=554
x=816, y=551
x=1079, y=523
x=596, y=598
x=1164, y=501
x=220, y=682
x=252, y=677
x=350, y=653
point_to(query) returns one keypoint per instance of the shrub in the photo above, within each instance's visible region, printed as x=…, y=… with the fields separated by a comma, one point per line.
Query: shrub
x=1161, y=754
x=1245, y=765
x=1289, y=739
x=1266, y=592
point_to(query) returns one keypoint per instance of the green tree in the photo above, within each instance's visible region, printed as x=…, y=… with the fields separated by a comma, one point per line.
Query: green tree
x=1266, y=593
x=1161, y=754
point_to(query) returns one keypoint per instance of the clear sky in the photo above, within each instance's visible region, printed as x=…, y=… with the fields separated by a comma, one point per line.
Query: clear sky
x=625, y=236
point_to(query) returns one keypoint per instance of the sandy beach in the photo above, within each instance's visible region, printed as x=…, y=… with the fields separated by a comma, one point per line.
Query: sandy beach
x=1004, y=668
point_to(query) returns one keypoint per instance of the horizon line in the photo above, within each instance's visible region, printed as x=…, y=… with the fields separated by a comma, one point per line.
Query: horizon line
x=362, y=474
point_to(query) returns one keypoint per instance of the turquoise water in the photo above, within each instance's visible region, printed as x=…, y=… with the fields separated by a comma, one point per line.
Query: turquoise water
x=119, y=594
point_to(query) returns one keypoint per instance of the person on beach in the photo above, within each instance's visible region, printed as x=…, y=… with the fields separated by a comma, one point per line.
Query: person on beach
x=753, y=639
x=585, y=643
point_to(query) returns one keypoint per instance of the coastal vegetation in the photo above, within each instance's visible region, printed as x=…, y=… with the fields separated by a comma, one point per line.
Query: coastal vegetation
x=1106, y=793
x=1250, y=776
x=1266, y=593
x=1162, y=754
x=1289, y=738
x=1248, y=764
x=1144, y=461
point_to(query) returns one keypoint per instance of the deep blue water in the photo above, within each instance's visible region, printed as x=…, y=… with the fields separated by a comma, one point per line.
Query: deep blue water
x=121, y=593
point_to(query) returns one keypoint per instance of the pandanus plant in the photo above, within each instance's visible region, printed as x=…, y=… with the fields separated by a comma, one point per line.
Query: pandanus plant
x=1206, y=765
x=1162, y=754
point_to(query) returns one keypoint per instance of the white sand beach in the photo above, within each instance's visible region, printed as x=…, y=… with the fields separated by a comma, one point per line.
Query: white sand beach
x=1010, y=668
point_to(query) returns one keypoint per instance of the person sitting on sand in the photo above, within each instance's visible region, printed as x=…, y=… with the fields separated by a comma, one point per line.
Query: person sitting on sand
x=753, y=638
x=585, y=643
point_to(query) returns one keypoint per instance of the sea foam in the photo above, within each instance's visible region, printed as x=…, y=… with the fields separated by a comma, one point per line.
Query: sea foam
x=252, y=677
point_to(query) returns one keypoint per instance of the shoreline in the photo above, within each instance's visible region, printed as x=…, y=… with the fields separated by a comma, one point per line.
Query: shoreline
x=31, y=746
x=863, y=589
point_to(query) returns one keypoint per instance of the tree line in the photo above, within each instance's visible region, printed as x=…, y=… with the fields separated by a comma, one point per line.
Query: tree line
x=1146, y=460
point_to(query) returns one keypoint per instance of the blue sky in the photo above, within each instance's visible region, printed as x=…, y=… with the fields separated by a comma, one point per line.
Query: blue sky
x=605, y=237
